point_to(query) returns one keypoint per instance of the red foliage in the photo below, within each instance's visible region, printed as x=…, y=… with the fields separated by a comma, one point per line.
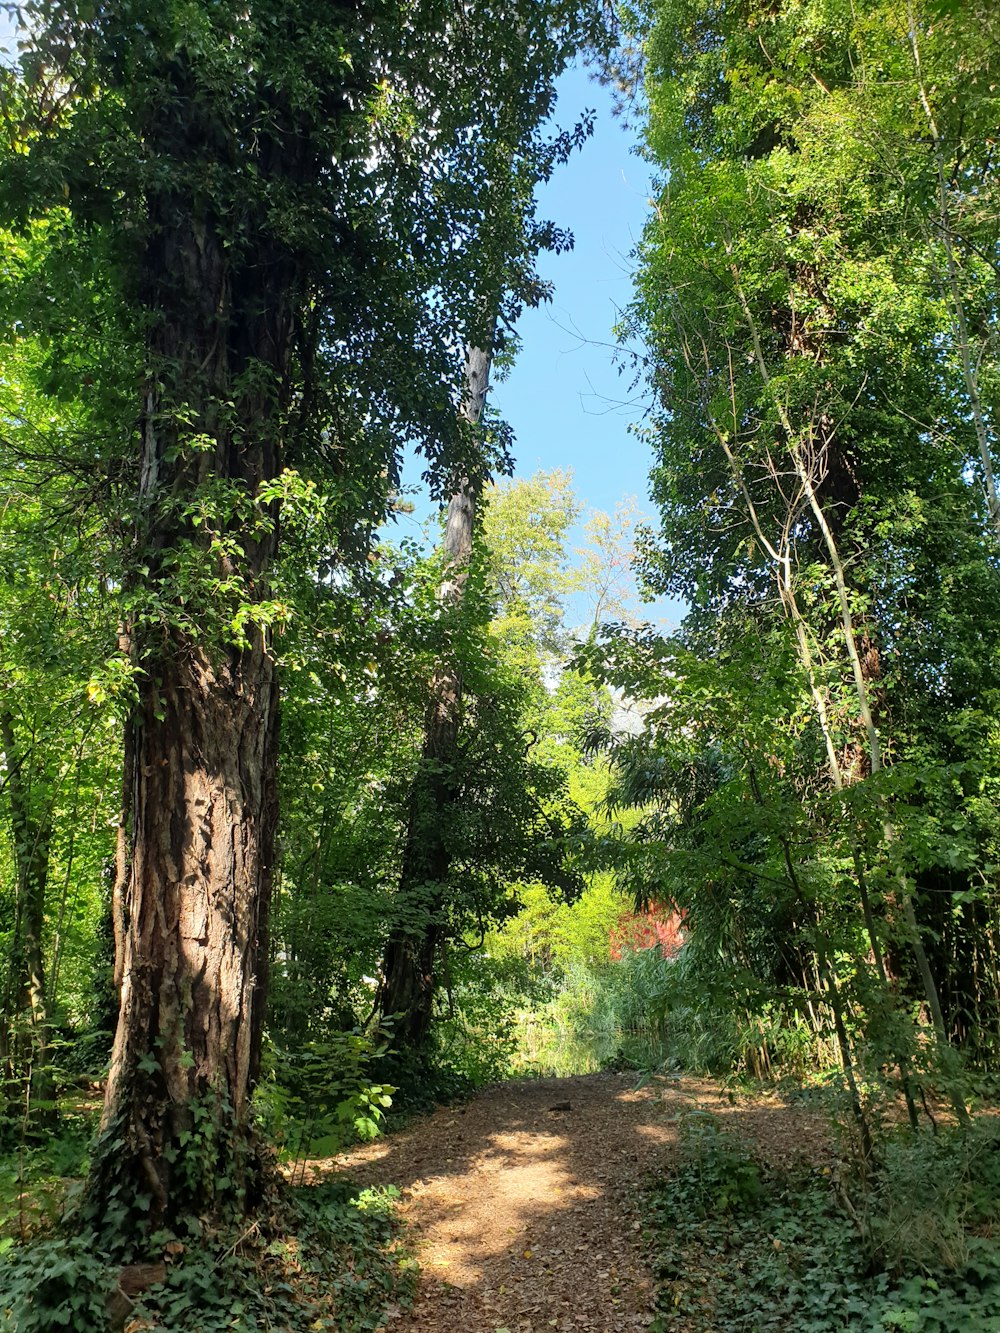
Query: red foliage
x=660, y=924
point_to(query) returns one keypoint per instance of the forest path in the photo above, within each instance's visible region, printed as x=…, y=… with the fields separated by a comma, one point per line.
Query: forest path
x=525, y=1217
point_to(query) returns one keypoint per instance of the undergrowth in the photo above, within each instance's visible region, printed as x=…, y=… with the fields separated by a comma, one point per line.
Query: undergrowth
x=644, y=1011
x=37, y=1171
x=327, y=1259
x=321, y=1258
x=906, y=1248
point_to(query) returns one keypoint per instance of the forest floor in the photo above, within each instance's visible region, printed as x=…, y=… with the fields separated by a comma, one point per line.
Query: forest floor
x=523, y=1207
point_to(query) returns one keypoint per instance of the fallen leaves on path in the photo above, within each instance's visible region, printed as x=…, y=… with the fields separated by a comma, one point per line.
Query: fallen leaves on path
x=524, y=1215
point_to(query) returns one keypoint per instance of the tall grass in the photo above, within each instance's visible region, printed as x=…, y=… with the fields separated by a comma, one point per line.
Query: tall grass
x=604, y=1015
x=648, y=1012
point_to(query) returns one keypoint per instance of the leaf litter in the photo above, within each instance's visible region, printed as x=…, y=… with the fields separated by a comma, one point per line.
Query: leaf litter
x=524, y=1208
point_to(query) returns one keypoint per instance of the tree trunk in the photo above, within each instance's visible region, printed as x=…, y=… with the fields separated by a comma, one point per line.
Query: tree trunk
x=940, y=227
x=408, y=968
x=194, y=950
x=28, y=1053
x=196, y=847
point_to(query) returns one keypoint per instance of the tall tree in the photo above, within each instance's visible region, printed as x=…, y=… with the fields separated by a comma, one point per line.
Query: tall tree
x=408, y=982
x=502, y=280
x=288, y=201
x=223, y=278
x=54, y=629
x=809, y=374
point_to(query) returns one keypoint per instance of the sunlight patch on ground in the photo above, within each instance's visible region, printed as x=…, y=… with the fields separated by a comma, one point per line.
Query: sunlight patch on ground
x=524, y=1206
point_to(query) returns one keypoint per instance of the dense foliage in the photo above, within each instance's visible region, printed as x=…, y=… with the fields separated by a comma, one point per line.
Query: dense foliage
x=246, y=249
x=747, y=1246
x=816, y=290
x=253, y=254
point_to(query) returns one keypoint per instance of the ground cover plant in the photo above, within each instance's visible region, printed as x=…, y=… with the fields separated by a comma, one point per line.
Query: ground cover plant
x=907, y=1245
x=322, y=1257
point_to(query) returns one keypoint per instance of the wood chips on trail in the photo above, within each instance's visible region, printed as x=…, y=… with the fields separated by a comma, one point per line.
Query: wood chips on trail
x=525, y=1216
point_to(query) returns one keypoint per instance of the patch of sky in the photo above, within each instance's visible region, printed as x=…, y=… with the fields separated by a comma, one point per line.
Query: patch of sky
x=570, y=396
x=8, y=34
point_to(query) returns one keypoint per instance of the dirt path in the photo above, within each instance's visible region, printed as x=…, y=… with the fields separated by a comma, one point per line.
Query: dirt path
x=523, y=1206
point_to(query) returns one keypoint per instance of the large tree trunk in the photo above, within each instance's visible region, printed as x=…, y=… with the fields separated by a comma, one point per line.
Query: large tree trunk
x=406, y=993
x=196, y=853
x=193, y=946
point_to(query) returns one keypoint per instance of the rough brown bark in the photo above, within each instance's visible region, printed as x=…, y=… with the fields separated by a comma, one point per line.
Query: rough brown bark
x=196, y=846
x=194, y=948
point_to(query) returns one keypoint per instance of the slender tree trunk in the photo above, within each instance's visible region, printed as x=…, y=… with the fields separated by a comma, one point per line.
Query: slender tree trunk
x=844, y=1047
x=962, y=334
x=67, y=880
x=409, y=965
x=27, y=999
x=876, y=764
x=804, y=471
x=779, y=551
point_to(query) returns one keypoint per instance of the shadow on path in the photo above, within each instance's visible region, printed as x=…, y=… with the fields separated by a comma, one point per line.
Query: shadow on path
x=524, y=1217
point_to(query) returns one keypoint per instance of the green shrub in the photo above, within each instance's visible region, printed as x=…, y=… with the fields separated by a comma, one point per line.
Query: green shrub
x=934, y=1192
x=475, y=1031
x=55, y=1282
x=715, y=1172
x=321, y=1097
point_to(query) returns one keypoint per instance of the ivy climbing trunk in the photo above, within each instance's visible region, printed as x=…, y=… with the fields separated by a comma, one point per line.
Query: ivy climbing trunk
x=196, y=852
x=192, y=941
x=406, y=994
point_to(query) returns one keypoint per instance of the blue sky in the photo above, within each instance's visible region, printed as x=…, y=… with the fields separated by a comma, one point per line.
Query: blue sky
x=565, y=399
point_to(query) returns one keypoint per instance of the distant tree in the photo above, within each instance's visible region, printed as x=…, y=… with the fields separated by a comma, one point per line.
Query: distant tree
x=523, y=156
